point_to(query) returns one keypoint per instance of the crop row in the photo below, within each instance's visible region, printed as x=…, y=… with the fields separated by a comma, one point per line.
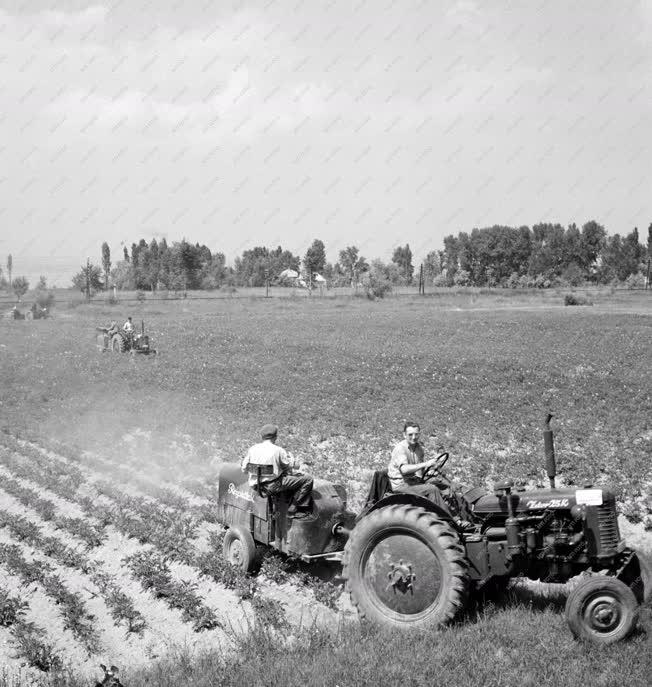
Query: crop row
x=118, y=470
x=76, y=617
x=151, y=569
x=58, y=469
x=27, y=531
x=91, y=534
x=120, y=605
x=173, y=534
x=26, y=636
x=196, y=487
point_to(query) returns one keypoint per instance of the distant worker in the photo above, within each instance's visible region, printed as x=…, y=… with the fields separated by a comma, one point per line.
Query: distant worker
x=275, y=472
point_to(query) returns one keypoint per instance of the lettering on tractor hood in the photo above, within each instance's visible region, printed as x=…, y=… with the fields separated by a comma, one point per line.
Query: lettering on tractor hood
x=239, y=494
x=549, y=503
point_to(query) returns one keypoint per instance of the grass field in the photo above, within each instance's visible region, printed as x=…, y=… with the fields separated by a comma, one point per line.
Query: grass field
x=120, y=452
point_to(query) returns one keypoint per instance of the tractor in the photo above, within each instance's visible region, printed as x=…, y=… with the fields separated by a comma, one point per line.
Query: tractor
x=409, y=563
x=114, y=339
x=37, y=312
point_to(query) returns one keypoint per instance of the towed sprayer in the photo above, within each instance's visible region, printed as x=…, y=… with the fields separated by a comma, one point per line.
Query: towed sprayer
x=549, y=451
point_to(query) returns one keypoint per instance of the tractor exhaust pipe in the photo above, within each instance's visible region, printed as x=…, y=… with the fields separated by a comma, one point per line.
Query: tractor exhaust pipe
x=549, y=451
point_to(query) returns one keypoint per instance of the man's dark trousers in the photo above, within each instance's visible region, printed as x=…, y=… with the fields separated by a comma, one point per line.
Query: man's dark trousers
x=300, y=486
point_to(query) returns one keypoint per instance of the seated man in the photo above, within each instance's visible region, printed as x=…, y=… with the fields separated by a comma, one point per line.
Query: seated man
x=406, y=469
x=276, y=464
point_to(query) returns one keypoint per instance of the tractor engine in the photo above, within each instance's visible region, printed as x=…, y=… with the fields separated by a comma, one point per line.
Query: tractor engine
x=550, y=534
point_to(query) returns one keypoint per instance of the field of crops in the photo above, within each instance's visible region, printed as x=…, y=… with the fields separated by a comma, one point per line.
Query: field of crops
x=109, y=549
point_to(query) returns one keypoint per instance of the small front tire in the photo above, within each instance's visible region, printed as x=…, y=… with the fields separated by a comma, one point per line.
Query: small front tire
x=602, y=610
x=239, y=548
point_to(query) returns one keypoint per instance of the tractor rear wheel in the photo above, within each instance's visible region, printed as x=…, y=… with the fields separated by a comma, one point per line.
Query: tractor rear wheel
x=404, y=567
x=602, y=610
x=239, y=548
x=117, y=344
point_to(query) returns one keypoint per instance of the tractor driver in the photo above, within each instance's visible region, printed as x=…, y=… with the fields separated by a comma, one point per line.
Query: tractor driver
x=128, y=328
x=276, y=464
x=406, y=469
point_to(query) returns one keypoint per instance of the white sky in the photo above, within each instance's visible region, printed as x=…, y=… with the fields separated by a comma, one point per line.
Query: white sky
x=368, y=122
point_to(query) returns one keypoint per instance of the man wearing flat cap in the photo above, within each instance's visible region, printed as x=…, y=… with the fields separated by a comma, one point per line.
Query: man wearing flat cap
x=275, y=472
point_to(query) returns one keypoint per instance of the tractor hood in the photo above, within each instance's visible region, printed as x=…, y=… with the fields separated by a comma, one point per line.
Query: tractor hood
x=543, y=499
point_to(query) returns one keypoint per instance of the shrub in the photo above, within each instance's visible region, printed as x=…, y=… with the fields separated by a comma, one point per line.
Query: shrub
x=573, y=299
x=376, y=282
x=635, y=281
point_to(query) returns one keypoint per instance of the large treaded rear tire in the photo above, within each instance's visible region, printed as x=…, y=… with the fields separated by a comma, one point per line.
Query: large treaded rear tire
x=407, y=538
x=118, y=344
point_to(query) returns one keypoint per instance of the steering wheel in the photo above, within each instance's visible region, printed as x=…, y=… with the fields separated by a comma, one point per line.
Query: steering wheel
x=442, y=458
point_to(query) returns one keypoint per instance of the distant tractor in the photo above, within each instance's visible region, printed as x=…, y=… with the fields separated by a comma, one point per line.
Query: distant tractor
x=117, y=340
x=37, y=312
x=408, y=563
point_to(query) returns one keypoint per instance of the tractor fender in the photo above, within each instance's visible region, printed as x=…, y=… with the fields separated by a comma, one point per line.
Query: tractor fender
x=404, y=498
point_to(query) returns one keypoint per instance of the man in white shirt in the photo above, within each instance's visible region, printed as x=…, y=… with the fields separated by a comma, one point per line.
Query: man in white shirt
x=274, y=465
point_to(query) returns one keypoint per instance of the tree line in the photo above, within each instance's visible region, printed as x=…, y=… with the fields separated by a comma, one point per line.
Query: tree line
x=498, y=256
x=184, y=266
x=545, y=255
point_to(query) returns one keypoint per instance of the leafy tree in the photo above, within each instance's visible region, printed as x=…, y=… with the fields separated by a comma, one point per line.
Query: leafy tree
x=3, y=281
x=573, y=253
x=253, y=268
x=620, y=258
x=315, y=259
x=106, y=263
x=122, y=276
x=649, y=241
x=20, y=286
x=10, y=264
x=450, y=262
x=215, y=273
x=402, y=258
x=125, y=253
x=432, y=266
x=592, y=241
x=92, y=273
x=548, y=250
x=352, y=263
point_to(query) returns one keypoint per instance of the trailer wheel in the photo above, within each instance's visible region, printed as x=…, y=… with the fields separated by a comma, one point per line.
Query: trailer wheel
x=239, y=548
x=405, y=568
x=602, y=610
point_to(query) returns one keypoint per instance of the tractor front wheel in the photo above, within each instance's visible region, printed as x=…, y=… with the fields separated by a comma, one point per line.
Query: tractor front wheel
x=239, y=548
x=602, y=610
x=405, y=568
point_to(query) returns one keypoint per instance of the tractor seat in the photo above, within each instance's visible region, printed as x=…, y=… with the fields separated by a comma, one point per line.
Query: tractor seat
x=258, y=471
x=380, y=486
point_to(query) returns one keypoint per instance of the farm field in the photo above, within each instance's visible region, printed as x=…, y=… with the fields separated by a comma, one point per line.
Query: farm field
x=107, y=535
